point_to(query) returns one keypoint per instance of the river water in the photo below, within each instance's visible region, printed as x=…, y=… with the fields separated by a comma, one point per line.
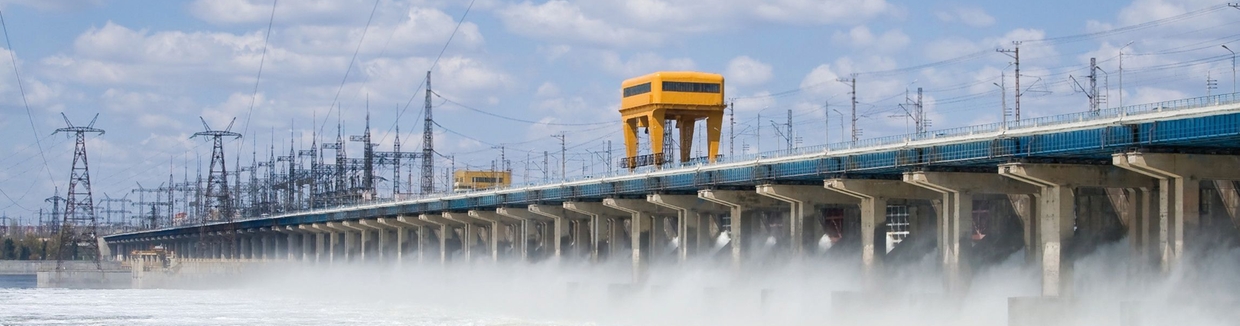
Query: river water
x=22, y=304
x=1204, y=292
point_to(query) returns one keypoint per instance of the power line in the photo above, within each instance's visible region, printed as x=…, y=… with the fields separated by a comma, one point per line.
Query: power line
x=262, y=59
x=1129, y=28
x=432, y=67
x=351, y=61
x=522, y=120
x=29, y=116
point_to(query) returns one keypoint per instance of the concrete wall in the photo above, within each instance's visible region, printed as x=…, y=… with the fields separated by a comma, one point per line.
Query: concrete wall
x=85, y=279
x=32, y=267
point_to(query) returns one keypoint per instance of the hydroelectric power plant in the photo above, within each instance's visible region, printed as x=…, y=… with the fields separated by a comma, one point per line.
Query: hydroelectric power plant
x=1088, y=210
x=1055, y=188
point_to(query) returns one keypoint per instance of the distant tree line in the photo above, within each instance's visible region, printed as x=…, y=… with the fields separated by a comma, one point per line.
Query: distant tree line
x=29, y=247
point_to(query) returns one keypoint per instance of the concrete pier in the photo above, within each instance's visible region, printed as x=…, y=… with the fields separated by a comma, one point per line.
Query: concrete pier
x=497, y=223
x=474, y=234
x=803, y=200
x=560, y=219
x=421, y=234
x=645, y=222
x=738, y=203
x=1056, y=223
x=956, y=217
x=692, y=214
x=599, y=216
x=531, y=234
x=873, y=196
x=446, y=232
x=1179, y=178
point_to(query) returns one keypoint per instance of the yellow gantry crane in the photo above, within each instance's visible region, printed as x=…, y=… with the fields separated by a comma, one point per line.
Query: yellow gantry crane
x=655, y=100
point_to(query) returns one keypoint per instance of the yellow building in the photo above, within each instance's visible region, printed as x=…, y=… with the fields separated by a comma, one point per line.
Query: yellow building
x=465, y=180
x=654, y=100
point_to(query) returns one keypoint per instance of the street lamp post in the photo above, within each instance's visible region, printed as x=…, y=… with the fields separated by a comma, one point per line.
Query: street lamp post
x=1233, y=68
x=1003, y=97
x=1121, y=75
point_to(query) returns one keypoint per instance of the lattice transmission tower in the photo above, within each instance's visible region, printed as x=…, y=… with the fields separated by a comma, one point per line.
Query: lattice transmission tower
x=78, y=225
x=428, y=144
x=218, y=205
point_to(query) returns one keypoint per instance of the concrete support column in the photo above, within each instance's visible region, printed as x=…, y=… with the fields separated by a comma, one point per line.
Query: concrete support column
x=470, y=233
x=873, y=195
x=306, y=246
x=802, y=200
x=397, y=241
x=446, y=229
x=320, y=252
x=362, y=240
x=217, y=246
x=1132, y=207
x=598, y=214
x=497, y=222
x=379, y=239
x=560, y=217
x=342, y=242
x=265, y=250
x=305, y=243
x=693, y=231
x=737, y=202
x=956, y=216
x=420, y=229
x=401, y=244
x=1179, y=179
x=288, y=241
x=1057, y=220
x=527, y=219
x=643, y=216
x=244, y=244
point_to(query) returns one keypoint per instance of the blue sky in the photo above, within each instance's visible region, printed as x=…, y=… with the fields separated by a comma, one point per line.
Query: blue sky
x=152, y=68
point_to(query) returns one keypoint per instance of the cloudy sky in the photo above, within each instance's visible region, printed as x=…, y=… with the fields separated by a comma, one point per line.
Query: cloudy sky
x=517, y=72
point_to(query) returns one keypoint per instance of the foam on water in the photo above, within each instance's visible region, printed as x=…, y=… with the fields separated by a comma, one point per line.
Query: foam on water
x=219, y=307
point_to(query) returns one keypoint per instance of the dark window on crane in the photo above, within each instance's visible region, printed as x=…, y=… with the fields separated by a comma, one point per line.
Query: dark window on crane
x=690, y=87
x=637, y=90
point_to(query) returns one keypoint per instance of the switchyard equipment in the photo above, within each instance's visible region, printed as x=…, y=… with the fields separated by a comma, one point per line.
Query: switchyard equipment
x=654, y=101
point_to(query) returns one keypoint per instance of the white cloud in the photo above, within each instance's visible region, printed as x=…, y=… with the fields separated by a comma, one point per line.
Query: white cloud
x=287, y=12
x=418, y=31
x=972, y=16
x=747, y=71
x=123, y=101
x=564, y=21
x=954, y=47
x=1141, y=11
x=646, y=23
x=755, y=102
x=862, y=38
x=52, y=5
x=1144, y=95
x=950, y=47
x=821, y=12
x=554, y=52
x=638, y=64
x=823, y=80
x=547, y=89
